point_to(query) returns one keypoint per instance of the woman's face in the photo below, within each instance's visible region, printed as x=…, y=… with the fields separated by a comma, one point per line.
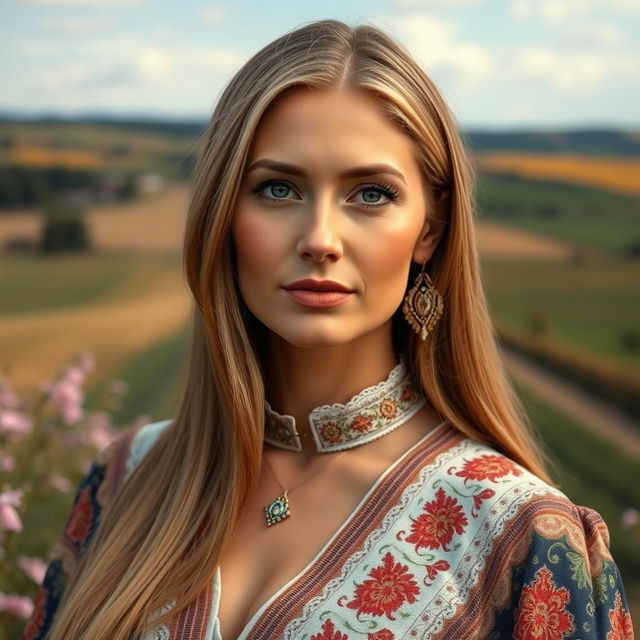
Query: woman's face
x=331, y=192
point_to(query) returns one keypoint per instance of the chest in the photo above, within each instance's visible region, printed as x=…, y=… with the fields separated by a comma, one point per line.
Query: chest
x=260, y=560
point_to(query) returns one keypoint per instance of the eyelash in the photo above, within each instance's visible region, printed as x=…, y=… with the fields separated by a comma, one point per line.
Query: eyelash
x=386, y=189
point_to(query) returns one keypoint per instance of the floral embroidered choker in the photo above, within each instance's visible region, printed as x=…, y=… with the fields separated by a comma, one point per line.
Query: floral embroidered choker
x=370, y=414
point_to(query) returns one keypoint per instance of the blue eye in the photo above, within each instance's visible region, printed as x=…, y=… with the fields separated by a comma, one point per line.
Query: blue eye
x=380, y=189
x=280, y=191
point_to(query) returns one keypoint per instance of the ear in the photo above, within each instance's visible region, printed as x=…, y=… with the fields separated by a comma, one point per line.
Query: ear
x=435, y=223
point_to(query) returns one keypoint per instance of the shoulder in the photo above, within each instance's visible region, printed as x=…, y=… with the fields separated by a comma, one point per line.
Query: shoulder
x=115, y=462
x=504, y=498
x=142, y=440
x=521, y=542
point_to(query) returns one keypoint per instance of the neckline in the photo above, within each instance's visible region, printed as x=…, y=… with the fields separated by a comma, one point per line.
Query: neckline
x=369, y=414
x=443, y=429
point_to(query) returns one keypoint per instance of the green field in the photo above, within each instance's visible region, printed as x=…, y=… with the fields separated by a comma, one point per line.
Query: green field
x=584, y=216
x=41, y=283
x=588, y=306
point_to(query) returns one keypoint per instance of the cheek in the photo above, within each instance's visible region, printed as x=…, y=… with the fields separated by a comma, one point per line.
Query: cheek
x=387, y=256
x=256, y=244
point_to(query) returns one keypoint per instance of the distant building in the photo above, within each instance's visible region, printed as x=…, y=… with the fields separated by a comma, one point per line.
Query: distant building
x=149, y=183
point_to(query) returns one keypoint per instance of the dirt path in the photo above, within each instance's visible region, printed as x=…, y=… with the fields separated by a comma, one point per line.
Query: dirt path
x=500, y=241
x=597, y=415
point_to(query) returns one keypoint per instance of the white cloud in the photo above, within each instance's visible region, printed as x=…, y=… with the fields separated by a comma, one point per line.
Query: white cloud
x=122, y=73
x=580, y=71
x=154, y=64
x=593, y=34
x=212, y=15
x=566, y=11
x=437, y=44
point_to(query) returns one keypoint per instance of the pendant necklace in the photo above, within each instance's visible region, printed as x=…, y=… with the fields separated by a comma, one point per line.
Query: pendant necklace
x=370, y=414
x=278, y=510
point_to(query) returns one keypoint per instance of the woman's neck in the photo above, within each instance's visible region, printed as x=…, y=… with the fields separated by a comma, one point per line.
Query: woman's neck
x=299, y=379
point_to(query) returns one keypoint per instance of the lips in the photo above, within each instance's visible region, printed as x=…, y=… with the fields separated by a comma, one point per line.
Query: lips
x=317, y=285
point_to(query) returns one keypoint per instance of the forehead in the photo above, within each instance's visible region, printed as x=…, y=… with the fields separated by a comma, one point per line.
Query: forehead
x=341, y=126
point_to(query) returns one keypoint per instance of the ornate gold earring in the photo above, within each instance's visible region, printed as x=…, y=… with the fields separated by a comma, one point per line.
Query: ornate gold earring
x=423, y=305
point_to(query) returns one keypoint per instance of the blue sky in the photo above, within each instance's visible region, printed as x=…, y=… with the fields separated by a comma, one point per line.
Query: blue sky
x=499, y=63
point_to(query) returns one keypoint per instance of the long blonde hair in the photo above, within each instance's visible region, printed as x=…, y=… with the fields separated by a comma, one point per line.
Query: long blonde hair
x=162, y=537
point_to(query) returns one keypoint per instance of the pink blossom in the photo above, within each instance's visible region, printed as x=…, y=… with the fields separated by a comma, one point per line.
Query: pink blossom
x=74, y=375
x=33, y=567
x=9, y=518
x=20, y=606
x=87, y=361
x=68, y=397
x=73, y=414
x=59, y=482
x=7, y=463
x=630, y=517
x=15, y=422
x=99, y=429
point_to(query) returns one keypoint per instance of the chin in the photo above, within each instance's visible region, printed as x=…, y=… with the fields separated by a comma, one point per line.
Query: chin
x=314, y=336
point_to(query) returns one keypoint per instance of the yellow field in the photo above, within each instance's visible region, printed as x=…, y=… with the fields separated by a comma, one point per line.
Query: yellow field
x=42, y=158
x=613, y=173
x=35, y=345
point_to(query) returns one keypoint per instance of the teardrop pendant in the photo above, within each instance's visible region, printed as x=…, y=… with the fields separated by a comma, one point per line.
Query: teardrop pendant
x=423, y=306
x=278, y=510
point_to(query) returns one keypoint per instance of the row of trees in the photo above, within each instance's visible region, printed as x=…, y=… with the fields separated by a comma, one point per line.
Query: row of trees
x=27, y=187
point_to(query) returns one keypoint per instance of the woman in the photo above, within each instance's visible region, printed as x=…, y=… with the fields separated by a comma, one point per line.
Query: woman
x=348, y=459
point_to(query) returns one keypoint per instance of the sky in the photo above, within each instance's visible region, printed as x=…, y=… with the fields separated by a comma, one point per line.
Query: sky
x=500, y=64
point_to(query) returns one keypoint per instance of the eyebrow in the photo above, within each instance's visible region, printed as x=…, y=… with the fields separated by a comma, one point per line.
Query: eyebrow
x=355, y=172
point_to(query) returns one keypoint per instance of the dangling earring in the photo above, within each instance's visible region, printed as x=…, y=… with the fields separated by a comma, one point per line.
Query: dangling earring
x=423, y=305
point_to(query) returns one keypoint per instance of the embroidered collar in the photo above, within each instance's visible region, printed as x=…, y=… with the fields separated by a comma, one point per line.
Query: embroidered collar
x=370, y=414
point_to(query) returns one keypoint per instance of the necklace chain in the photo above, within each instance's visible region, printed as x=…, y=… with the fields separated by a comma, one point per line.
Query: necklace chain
x=306, y=479
x=279, y=509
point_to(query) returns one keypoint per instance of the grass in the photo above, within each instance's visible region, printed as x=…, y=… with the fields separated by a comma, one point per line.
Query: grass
x=155, y=376
x=37, y=283
x=581, y=215
x=587, y=306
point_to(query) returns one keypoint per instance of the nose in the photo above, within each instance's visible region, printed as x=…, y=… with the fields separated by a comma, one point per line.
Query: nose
x=320, y=236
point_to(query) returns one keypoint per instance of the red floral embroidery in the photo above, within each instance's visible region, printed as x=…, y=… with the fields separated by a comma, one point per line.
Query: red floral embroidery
x=436, y=526
x=407, y=393
x=492, y=467
x=36, y=620
x=329, y=633
x=432, y=569
x=331, y=432
x=388, y=408
x=390, y=584
x=621, y=628
x=383, y=634
x=541, y=612
x=478, y=498
x=79, y=524
x=361, y=423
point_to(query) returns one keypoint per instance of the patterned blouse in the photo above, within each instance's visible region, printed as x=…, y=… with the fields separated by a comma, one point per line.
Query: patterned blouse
x=454, y=540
